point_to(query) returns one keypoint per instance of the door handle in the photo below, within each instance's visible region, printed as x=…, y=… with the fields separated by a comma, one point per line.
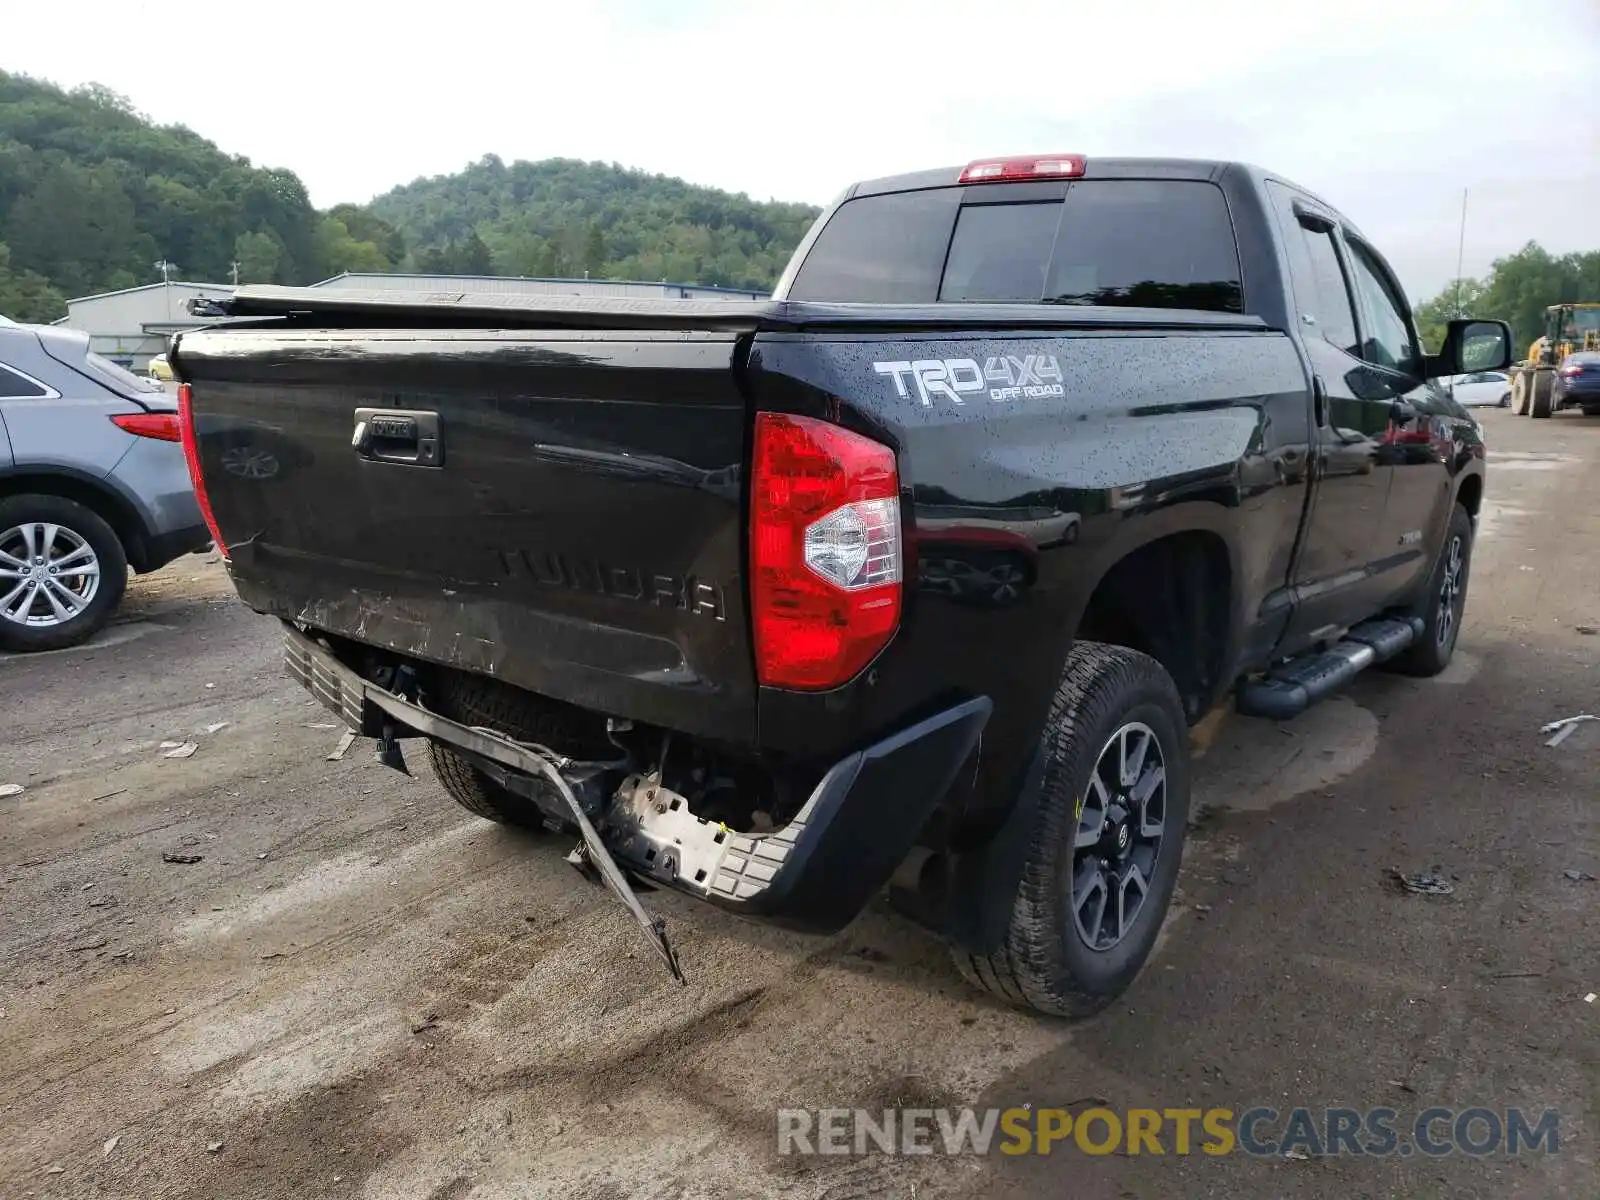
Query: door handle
x=1401, y=411
x=398, y=435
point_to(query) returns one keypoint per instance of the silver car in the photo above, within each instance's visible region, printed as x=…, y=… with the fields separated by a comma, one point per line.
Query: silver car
x=1481, y=389
x=92, y=482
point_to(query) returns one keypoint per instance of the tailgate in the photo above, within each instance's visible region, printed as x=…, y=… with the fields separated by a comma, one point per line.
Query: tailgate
x=558, y=509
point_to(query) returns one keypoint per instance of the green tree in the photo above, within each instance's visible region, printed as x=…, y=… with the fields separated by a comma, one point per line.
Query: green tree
x=363, y=226
x=472, y=256
x=92, y=194
x=1433, y=315
x=26, y=295
x=594, y=251
x=77, y=227
x=1518, y=288
x=259, y=255
x=434, y=260
x=338, y=251
x=541, y=219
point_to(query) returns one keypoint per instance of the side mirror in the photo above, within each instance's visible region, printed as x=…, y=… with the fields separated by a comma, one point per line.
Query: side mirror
x=1472, y=345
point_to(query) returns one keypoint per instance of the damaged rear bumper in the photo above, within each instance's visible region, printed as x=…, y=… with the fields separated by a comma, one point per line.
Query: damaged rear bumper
x=815, y=873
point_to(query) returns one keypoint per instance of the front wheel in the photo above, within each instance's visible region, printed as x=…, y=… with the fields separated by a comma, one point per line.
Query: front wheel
x=1541, y=395
x=1443, y=603
x=62, y=572
x=1103, y=855
x=1519, y=394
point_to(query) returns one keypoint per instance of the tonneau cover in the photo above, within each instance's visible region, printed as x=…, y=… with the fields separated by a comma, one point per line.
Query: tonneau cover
x=440, y=309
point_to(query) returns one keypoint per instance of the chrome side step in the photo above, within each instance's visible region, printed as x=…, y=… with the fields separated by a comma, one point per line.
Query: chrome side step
x=1292, y=687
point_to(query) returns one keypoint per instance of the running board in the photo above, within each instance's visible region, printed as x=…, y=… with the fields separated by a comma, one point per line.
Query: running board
x=1292, y=687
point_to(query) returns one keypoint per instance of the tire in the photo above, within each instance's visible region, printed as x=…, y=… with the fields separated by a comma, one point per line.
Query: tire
x=31, y=609
x=1592, y=411
x=1504, y=401
x=1519, y=395
x=1441, y=613
x=1541, y=401
x=517, y=714
x=1046, y=961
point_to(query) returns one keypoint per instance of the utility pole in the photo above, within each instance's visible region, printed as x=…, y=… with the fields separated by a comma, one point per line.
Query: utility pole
x=1461, y=249
x=166, y=268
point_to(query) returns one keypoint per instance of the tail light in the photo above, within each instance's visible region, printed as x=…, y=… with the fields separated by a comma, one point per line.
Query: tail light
x=161, y=426
x=191, y=455
x=826, y=557
x=1572, y=369
x=1042, y=166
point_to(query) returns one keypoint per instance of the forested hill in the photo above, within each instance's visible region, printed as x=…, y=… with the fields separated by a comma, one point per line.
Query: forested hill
x=563, y=218
x=93, y=196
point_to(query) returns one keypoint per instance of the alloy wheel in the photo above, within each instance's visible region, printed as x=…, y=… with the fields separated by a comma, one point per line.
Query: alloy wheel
x=1450, y=591
x=49, y=574
x=1121, y=825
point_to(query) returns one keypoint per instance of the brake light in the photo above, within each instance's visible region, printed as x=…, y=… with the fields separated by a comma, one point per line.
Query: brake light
x=1044, y=166
x=161, y=426
x=825, y=551
x=191, y=455
x=1572, y=369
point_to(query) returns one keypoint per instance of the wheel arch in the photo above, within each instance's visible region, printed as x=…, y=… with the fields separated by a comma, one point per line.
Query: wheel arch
x=1469, y=493
x=96, y=494
x=1143, y=596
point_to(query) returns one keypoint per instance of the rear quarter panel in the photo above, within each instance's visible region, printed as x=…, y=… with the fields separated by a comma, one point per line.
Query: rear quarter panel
x=1115, y=439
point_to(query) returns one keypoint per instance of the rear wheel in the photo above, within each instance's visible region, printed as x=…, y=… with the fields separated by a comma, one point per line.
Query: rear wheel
x=1103, y=855
x=517, y=714
x=62, y=572
x=1443, y=603
x=1541, y=401
x=1519, y=394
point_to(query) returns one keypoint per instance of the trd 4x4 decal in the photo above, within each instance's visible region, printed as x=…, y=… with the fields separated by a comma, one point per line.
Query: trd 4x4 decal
x=1005, y=377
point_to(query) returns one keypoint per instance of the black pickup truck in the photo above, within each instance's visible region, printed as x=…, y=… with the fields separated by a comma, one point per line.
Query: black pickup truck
x=911, y=577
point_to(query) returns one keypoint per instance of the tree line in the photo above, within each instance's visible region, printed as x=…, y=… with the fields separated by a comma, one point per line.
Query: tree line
x=1517, y=289
x=94, y=196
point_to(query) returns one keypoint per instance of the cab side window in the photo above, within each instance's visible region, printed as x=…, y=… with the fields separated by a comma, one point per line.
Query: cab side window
x=1387, y=340
x=1334, y=315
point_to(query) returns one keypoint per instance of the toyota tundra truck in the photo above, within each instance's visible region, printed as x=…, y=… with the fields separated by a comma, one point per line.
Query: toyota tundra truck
x=911, y=578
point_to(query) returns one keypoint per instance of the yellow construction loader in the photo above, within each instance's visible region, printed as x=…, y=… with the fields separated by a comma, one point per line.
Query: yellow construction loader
x=1568, y=328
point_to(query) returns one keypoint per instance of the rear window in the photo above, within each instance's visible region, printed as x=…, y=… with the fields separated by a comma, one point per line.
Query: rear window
x=881, y=249
x=1143, y=243
x=119, y=377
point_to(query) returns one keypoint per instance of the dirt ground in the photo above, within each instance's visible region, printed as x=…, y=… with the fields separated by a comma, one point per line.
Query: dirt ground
x=358, y=990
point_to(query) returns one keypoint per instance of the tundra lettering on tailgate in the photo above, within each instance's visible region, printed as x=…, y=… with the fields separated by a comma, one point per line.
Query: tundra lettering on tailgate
x=684, y=592
x=1004, y=377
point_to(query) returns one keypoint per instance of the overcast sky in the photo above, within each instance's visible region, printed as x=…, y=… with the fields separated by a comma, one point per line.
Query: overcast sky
x=1389, y=108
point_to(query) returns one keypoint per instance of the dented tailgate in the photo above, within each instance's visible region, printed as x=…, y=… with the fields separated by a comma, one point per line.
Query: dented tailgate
x=560, y=509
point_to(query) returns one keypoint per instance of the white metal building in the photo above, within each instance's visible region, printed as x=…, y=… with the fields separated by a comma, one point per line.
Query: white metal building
x=519, y=285
x=132, y=326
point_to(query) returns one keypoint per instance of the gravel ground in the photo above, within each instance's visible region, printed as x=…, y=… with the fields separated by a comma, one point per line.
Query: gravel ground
x=358, y=990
